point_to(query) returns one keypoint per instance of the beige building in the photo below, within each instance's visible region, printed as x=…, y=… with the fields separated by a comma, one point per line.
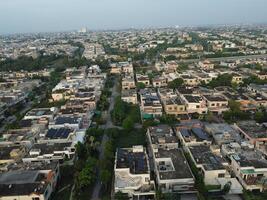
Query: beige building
x=128, y=83
x=129, y=96
x=174, y=106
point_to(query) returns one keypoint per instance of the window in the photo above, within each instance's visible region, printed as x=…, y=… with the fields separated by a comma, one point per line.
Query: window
x=220, y=175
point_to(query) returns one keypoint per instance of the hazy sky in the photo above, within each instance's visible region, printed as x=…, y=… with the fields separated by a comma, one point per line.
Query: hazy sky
x=58, y=15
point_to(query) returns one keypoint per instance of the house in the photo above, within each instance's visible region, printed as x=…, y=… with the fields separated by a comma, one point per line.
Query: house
x=194, y=103
x=253, y=132
x=129, y=96
x=50, y=151
x=223, y=133
x=174, y=106
x=173, y=174
x=29, y=184
x=159, y=81
x=150, y=104
x=11, y=153
x=192, y=134
x=132, y=173
x=162, y=136
x=190, y=80
x=128, y=83
x=237, y=78
x=39, y=113
x=250, y=169
x=206, y=65
x=143, y=79
x=216, y=103
x=66, y=121
x=228, y=63
x=211, y=166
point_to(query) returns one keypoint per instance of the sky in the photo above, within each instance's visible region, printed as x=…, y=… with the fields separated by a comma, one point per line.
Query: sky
x=23, y=16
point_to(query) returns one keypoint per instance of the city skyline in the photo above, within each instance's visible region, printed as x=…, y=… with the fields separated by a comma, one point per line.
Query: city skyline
x=49, y=16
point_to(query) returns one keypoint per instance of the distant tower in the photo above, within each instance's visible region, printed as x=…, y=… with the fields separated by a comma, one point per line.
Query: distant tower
x=83, y=30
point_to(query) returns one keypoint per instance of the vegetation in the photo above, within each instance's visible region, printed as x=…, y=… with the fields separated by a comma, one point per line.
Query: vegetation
x=247, y=195
x=254, y=79
x=64, y=186
x=140, y=85
x=125, y=114
x=86, y=164
x=176, y=83
x=221, y=80
x=235, y=114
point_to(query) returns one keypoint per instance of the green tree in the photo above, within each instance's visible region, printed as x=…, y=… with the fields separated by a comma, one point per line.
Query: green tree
x=140, y=85
x=88, y=174
x=121, y=196
x=128, y=123
x=175, y=83
x=81, y=150
x=221, y=80
x=105, y=176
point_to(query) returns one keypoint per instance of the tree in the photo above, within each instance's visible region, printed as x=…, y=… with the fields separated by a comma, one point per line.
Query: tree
x=105, y=176
x=121, y=196
x=81, y=150
x=221, y=80
x=235, y=113
x=128, y=123
x=87, y=176
x=140, y=85
x=176, y=83
x=168, y=119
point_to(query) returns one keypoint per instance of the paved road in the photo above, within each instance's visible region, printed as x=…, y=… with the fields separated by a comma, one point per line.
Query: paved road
x=109, y=124
x=227, y=58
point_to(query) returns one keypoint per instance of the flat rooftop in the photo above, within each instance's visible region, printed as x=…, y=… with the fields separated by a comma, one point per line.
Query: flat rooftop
x=193, y=98
x=203, y=156
x=250, y=158
x=61, y=133
x=253, y=129
x=162, y=134
x=176, y=167
x=135, y=161
x=66, y=120
x=49, y=148
x=215, y=98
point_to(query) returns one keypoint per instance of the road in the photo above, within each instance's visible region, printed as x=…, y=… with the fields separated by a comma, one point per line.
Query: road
x=109, y=124
x=228, y=58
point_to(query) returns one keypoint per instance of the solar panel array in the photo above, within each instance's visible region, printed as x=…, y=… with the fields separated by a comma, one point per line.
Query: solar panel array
x=135, y=161
x=200, y=133
x=58, y=133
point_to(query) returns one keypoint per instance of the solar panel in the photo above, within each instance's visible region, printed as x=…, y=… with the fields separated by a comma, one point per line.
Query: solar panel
x=185, y=132
x=200, y=133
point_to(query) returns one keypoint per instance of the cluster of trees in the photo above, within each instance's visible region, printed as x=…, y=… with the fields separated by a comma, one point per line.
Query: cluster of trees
x=125, y=114
x=221, y=80
x=176, y=83
x=103, y=103
x=254, y=79
x=235, y=113
x=86, y=164
x=28, y=63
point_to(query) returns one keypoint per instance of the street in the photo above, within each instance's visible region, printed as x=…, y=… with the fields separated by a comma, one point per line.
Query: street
x=109, y=124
